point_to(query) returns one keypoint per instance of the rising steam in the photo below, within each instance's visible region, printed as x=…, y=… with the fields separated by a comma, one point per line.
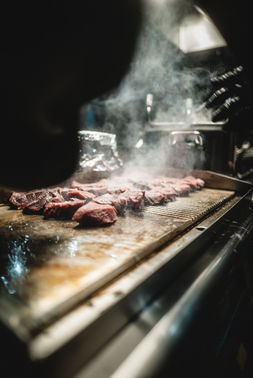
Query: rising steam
x=158, y=67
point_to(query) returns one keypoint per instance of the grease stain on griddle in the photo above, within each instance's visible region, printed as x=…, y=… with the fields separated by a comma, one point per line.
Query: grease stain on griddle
x=54, y=275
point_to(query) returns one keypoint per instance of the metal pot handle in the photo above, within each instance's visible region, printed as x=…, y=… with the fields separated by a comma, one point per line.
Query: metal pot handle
x=186, y=138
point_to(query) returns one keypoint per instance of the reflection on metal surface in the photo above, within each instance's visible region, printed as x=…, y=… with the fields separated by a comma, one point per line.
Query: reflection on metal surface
x=72, y=247
x=156, y=348
x=16, y=268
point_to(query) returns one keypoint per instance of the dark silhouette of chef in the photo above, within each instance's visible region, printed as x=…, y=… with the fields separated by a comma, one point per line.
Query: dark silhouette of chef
x=56, y=56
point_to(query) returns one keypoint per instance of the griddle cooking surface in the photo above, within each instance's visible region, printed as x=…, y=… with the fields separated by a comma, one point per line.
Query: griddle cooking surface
x=49, y=265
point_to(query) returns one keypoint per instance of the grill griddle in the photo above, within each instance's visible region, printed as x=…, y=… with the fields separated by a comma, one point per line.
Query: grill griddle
x=50, y=265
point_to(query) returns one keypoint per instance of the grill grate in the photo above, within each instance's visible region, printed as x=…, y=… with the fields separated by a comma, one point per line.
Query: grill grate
x=192, y=207
x=72, y=263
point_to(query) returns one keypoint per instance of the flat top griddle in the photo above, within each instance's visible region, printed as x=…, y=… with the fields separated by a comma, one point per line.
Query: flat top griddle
x=50, y=265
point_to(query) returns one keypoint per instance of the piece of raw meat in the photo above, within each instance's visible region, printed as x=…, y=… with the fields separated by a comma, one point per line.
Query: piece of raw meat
x=181, y=188
x=95, y=214
x=134, y=198
x=197, y=183
x=80, y=194
x=120, y=203
x=100, y=202
x=62, y=210
x=154, y=197
x=190, y=180
x=35, y=200
x=97, y=188
x=169, y=193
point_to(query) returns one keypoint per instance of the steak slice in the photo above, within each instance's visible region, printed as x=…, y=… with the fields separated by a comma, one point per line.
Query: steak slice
x=142, y=184
x=97, y=188
x=190, y=180
x=95, y=214
x=200, y=182
x=62, y=210
x=120, y=203
x=117, y=189
x=181, y=189
x=163, y=181
x=102, y=187
x=169, y=193
x=154, y=197
x=34, y=201
x=80, y=194
x=134, y=198
x=195, y=183
x=18, y=199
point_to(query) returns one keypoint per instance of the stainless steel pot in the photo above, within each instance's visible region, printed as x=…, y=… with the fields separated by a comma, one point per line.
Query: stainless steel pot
x=190, y=145
x=212, y=147
x=206, y=146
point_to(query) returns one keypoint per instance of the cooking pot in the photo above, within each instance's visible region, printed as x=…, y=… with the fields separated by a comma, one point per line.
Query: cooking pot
x=199, y=146
x=187, y=144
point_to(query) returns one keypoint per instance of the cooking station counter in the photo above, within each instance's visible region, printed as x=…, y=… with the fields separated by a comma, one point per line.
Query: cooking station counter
x=194, y=324
x=189, y=324
x=130, y=324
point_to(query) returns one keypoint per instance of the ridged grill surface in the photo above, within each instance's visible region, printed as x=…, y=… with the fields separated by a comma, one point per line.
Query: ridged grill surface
x=63, y=264
x=191, y=207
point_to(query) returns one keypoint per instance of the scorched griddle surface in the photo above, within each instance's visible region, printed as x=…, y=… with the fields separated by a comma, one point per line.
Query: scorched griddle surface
x=48, y=265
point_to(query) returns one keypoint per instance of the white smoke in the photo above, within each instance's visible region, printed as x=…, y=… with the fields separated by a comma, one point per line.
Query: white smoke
x=158, y=67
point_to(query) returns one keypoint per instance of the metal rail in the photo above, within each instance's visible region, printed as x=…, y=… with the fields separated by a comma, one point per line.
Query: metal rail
x=147, y=358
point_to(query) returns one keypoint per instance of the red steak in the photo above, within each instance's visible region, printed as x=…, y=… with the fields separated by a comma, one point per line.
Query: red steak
x=62, y=210
x=34, y=201
x=80, y=194
x=95, y=214
x=97, y=188
x=134, y=198
x=154, y=197
x=119, y=203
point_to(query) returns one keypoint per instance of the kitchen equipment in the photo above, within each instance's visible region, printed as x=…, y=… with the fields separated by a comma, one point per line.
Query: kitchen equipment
x=73, y=263
x=197, y=147
x=98, y=156
x=98, y=151
x=188, y=144
x=64, y=289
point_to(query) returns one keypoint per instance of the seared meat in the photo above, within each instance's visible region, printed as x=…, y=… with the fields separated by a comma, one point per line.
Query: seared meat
x=80, y=194
x=195, y=183
x=169, y=193
x=200, y=182
x=100, y=202
x=62, y=210
x=18, y=199
x=118, y=202
x=35, y=200
x=134, y=198
x=143, y=184
x=97, y=188
x=181, y=188
x=95, y=214
x=103, y=186
x=154, y=197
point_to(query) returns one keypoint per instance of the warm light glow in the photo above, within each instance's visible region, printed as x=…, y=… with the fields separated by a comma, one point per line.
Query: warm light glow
x=197, y=33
